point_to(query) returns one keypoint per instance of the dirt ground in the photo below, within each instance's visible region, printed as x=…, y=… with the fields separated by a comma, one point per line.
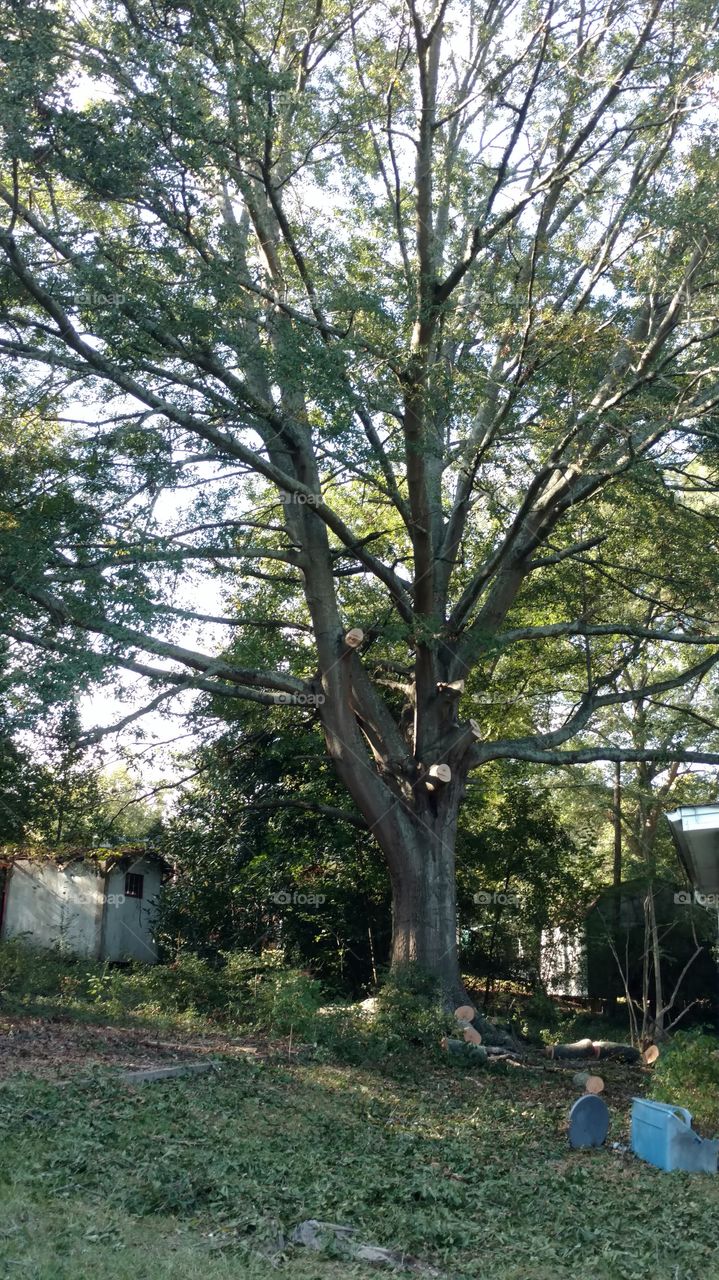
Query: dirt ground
x=57, y=1048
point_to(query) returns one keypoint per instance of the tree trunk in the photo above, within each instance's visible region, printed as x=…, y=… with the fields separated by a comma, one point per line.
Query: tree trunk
x=657, y=959
x=413, y=815
x=424, y=915
x=424, y=902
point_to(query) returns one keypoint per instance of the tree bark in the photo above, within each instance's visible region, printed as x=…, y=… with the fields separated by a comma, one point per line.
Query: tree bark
x=418, y=841
x=424, y=911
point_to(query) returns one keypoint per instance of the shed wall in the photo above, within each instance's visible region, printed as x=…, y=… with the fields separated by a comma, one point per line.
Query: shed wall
x=128, y=922
x=54, y=907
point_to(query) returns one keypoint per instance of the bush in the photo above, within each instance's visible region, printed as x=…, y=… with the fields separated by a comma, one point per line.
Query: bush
x=535, y=1018
x=189, y=984
x=287, y=1001
x=243, y=990
x=687, y=1073
x=29, y=974
x=409, y=1010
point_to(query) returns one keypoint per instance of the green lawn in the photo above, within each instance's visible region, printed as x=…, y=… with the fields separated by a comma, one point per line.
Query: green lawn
x=208, y=1176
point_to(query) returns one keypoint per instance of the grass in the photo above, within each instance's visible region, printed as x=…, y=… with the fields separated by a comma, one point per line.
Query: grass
x=468, y=1170
x=204, y=1174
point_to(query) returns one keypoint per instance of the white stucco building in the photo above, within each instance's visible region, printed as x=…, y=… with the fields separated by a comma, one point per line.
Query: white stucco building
x=101, y=905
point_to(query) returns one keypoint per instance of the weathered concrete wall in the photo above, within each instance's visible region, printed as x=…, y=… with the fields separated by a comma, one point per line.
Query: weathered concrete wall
x=53, y=907
x=128, y=922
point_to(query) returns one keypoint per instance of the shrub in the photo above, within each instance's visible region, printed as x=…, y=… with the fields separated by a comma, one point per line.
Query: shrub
x=687, y=1073
x=409, y=1010
x=29, y=973
x=286, y=1001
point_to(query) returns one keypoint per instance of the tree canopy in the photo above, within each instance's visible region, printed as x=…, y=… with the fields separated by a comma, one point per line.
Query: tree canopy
x=397, y=319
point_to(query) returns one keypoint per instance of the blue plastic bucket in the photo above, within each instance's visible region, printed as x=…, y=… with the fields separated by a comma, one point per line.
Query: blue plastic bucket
x=662, y=1135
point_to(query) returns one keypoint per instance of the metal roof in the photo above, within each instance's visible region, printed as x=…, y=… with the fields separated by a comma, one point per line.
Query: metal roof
x=696, y=836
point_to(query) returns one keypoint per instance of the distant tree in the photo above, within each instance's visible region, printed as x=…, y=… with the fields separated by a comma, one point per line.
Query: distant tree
x=521, y=869
x=55, y=792
x=260, y=859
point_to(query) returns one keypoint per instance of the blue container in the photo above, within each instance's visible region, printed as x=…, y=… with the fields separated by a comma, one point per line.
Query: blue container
x=663, y=1135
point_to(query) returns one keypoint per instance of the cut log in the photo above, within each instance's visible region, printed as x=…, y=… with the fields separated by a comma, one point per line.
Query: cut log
x=492, y=1034
x=460, y=1049
x=472, y=1036
x=354, y=637
x=580, y=1049
x=476, y=728
x=620, y=1052
x=650, y=1055
x=594, y=1049
x=589, y=1083
x=465, y=1013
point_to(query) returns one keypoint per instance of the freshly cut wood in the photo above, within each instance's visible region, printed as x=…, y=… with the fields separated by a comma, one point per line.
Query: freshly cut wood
x=354, y=637
x=589, y=1083
x=472, y=1036
x=465, y=1013
x=650, y=1055
x=440, y=772
x=594, y=1049
x=476, y=728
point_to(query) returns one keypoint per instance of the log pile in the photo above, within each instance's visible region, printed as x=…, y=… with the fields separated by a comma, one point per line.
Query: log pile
x=477, y=1033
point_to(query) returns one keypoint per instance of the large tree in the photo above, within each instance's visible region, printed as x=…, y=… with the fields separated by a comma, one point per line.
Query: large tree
x=392, y=317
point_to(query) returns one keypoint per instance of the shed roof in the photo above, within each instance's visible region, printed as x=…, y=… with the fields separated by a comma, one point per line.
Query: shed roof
x=104, y=857
x=695, y=829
